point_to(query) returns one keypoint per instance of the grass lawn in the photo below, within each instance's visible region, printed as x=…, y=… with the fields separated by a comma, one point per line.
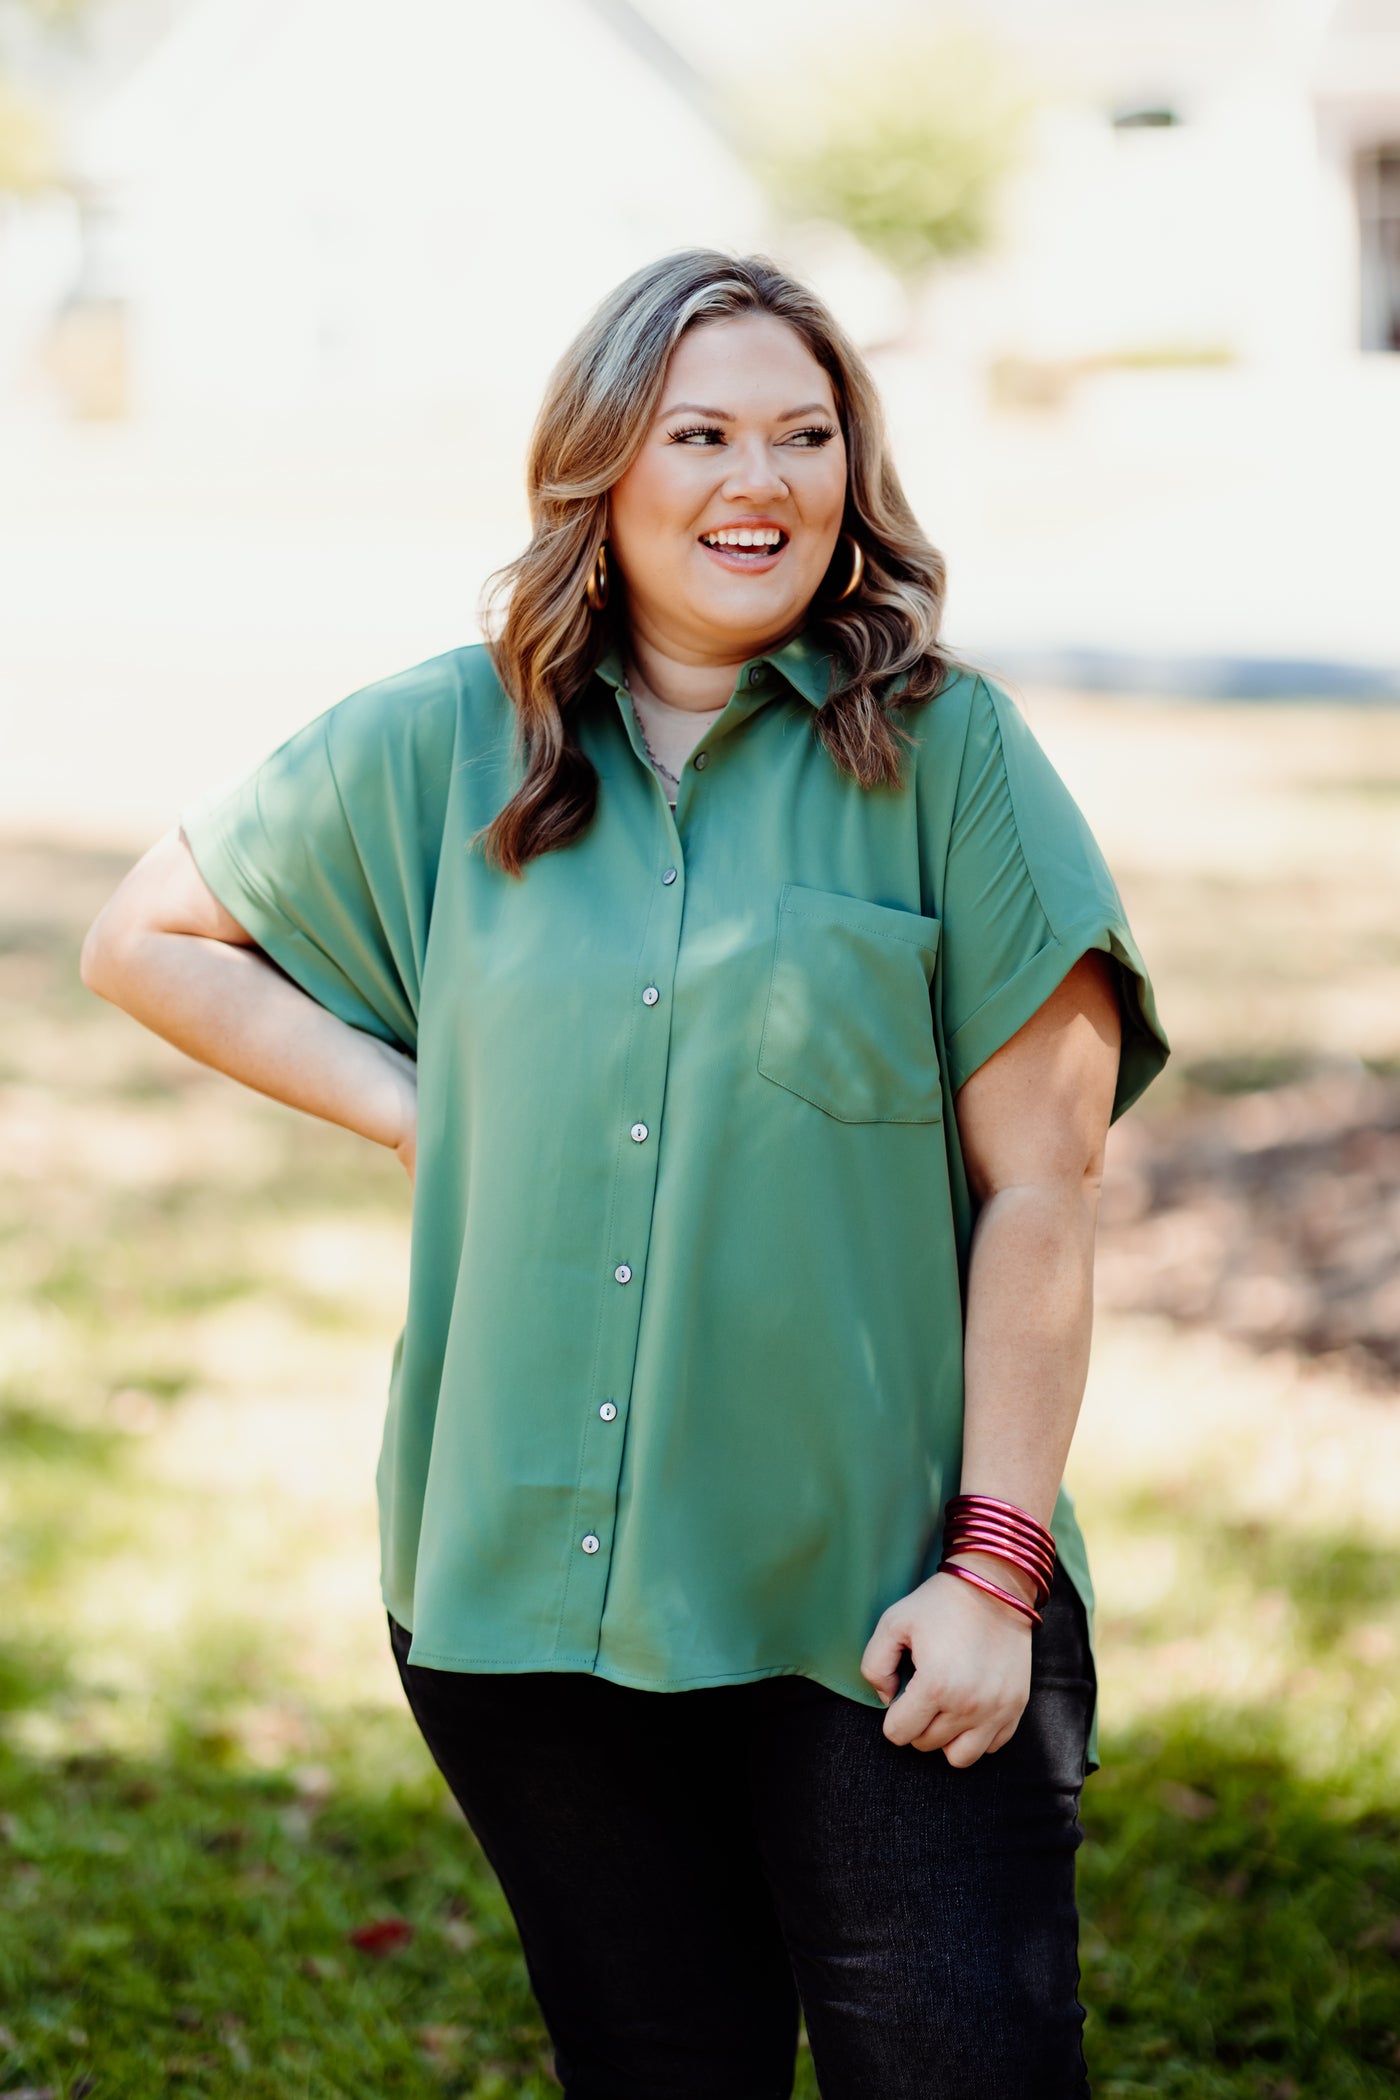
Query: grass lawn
x=226, y=1864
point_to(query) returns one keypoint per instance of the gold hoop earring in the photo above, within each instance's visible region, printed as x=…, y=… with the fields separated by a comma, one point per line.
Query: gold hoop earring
x=596, y=588
x=857, y=567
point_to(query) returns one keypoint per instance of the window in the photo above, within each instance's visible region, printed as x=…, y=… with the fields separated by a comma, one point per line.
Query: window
x=1145, y=116
x=1378, y=207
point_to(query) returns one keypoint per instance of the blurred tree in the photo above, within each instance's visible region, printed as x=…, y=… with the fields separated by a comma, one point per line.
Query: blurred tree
x=50, y=14
x=28, y=159
x=904, y=146
x=29, y=155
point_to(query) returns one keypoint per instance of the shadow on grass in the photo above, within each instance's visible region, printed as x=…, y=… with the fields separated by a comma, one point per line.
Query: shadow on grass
x=184, y=1923
x=32, y=1675
x=1328, y=1579
x=1242, y=1922
x=32, y=1433
x=1331, y=1579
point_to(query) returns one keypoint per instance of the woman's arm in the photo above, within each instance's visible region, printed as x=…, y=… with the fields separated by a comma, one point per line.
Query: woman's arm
x=164, y=949
x=1032, y=1121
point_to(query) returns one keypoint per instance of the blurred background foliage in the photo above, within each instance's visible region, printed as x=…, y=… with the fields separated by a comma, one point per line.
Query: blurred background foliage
x=227, y=1864
x=904, y=143
x=28, y=151
x=243, y=475
x=31, y=155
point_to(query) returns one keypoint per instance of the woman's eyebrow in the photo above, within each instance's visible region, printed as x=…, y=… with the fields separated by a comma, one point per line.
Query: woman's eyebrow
x=725, y=415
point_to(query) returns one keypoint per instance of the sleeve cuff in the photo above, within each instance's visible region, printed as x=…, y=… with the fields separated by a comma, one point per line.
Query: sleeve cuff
x=1145, y=1047
x=221, y=870
x=285, y=944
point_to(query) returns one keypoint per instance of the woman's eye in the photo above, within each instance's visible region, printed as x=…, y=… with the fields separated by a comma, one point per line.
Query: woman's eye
x=815, y=435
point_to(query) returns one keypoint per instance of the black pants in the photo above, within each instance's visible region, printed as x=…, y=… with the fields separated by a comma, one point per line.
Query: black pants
x=685, y=1867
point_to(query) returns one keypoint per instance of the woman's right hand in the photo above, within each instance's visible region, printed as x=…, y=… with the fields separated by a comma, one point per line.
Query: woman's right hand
x=407, y=1150
x=404, y=1144
x=165, y=950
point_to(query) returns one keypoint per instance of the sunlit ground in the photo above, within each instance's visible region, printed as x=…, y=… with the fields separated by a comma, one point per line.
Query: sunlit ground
x=207, y=1778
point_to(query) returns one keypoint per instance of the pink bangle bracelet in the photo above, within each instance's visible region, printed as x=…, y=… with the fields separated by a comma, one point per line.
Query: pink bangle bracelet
x=959, y=1544
x=959, y=1520
x=1038, y=1546
x=986, y=1524
x=1027, y=1611
x=994, y=1502
x=1040, y=1591
x=979, y=1538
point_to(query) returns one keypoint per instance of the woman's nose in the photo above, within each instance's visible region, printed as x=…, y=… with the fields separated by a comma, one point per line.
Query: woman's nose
x=753, y=475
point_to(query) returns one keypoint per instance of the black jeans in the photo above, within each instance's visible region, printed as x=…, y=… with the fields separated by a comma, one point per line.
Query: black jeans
x=686, y=1867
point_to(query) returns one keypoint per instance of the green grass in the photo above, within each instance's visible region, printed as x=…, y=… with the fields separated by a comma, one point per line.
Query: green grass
x=208, y=1780
x=1242, y=1921
x=182, y=1924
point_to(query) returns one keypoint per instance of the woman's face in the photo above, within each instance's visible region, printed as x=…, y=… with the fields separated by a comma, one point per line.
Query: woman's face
x=747, y=441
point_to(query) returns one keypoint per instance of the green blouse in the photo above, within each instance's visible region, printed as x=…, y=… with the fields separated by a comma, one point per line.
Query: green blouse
x=678, y=1398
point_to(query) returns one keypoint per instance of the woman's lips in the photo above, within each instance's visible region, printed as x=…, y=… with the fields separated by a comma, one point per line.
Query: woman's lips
x=750, y=561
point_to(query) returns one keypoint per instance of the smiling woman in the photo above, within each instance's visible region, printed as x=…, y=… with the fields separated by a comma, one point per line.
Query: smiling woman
x=707, y=398
x=762, y=1002
x=754, y=490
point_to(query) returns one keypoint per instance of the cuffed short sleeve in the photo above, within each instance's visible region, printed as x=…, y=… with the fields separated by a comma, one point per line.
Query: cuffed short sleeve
x=1027, y=892
x=326, y=852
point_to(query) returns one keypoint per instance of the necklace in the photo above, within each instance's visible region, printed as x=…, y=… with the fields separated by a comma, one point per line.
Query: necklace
x=665, y=771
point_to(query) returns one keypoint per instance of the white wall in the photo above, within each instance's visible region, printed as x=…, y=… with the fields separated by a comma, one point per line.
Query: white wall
x=394, y=200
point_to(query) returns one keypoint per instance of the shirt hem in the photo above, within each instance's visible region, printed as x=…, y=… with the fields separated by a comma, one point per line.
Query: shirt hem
x=633, y=1680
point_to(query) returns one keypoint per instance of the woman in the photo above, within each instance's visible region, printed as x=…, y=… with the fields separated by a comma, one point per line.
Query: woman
x=748, y=1002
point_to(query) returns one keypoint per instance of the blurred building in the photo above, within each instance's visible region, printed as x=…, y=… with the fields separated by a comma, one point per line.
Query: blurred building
x=293, y=203
x=1210, y=176
x=1155, y=426
x=289, y=203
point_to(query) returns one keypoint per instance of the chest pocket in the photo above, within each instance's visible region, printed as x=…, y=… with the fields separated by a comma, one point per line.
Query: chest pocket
x=848, y=1025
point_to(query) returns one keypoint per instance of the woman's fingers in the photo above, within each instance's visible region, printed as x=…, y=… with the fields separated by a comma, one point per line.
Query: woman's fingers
x=927, y=1716
x=879, y=1665
x=961, y=1742
x=943, y=1728
x=925, y=1713
x=972, y=1668
x=965, y=1749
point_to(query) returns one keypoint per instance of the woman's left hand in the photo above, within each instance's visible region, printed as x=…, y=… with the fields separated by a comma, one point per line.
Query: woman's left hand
x=972, y=1669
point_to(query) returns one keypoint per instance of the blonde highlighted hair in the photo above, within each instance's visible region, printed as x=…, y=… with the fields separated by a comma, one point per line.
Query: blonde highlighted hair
x=602, y=398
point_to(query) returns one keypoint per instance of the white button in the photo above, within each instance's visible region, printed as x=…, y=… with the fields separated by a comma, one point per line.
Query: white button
x=589, y=1543
x=702, y=759
x=639, y=1132
x=650, y=995
x=608, y=1411
x=623, y=1273
x=669, y=875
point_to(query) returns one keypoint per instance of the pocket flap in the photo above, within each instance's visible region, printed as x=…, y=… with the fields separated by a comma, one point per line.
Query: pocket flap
x=848, y=1025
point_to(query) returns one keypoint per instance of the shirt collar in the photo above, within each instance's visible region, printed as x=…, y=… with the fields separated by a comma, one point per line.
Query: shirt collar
x=802, y=663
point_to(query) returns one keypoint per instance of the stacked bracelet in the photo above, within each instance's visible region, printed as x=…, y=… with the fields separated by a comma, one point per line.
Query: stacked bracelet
x=983, y=1524
x=993, y=1589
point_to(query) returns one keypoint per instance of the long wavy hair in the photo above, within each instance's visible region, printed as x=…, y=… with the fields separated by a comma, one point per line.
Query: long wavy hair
x=601, y=400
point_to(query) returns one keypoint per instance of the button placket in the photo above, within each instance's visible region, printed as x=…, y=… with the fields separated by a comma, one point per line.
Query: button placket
x=624, y=1272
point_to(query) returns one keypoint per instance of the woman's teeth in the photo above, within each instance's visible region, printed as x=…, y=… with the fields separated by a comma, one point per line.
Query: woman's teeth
x=754, y=539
